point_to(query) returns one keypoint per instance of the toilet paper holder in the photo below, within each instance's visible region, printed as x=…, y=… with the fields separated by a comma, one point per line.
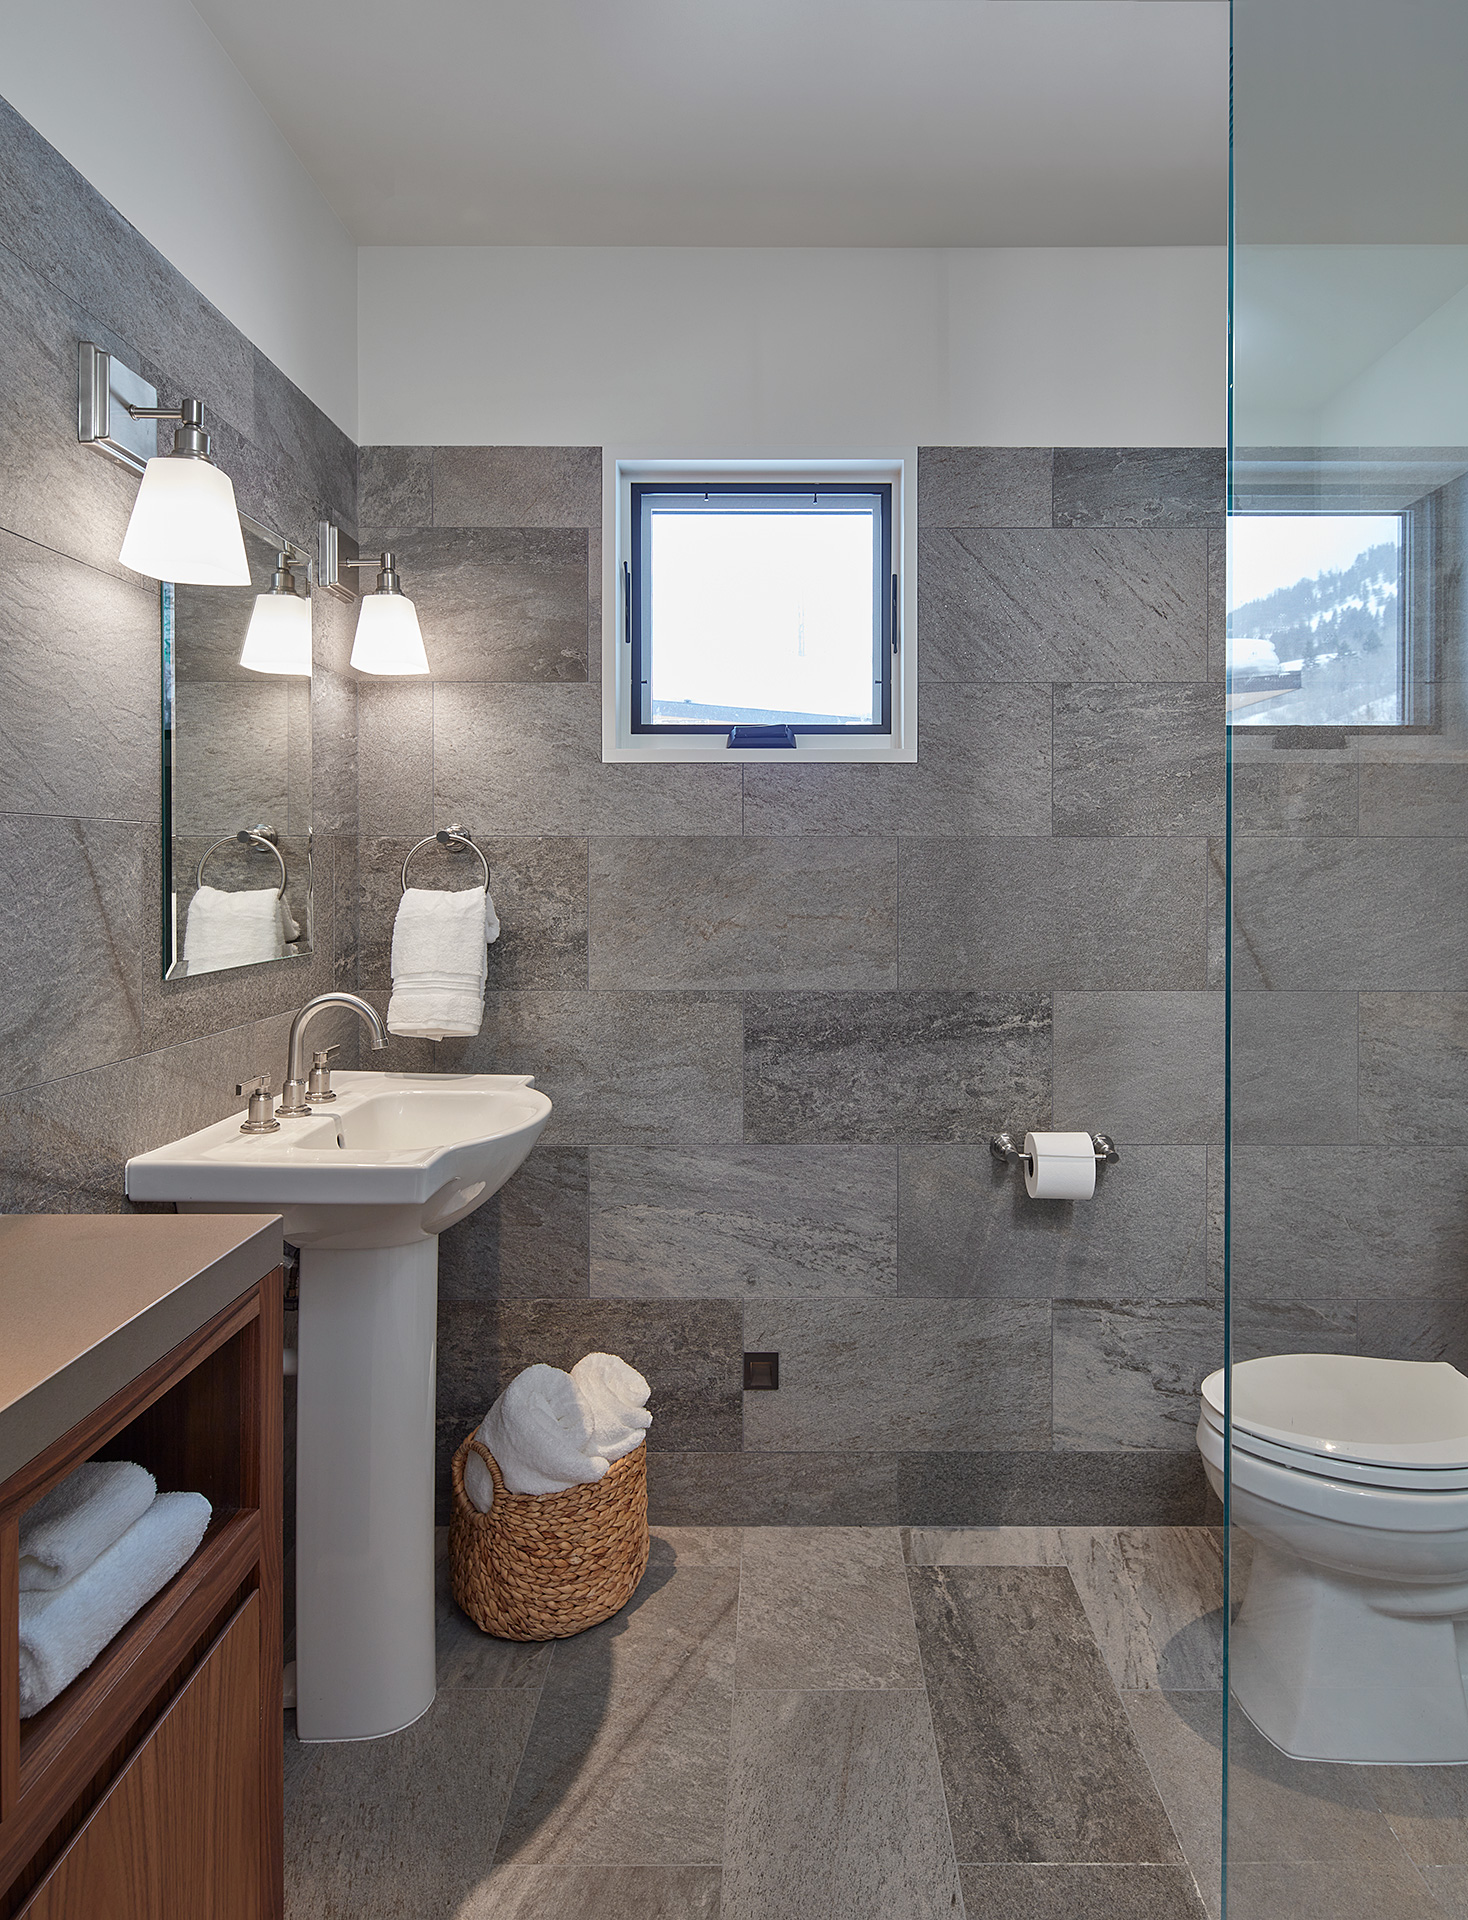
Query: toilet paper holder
x=1003, y=1148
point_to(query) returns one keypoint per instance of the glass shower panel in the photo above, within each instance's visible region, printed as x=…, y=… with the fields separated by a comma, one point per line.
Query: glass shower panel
x=1343, y=1446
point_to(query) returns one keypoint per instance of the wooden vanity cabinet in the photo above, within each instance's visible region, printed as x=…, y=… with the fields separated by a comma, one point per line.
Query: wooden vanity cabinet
x=151, y=1788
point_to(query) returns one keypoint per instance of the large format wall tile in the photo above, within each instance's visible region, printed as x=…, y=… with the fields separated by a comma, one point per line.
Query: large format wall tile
x=1329, y=1223
x=1138, y=759
x=1280, y=793
x=984, y=486
x=969, y=1230
x=772, y=1489
x=1141, y=1488
x=1140, y=487
x=734, y=913
x=860, y=1833
x=539, y=891
x=1010, y=913
x=395, y=757
x=1353, y=915
x=1414, y=1065
x=516, y=759
x=735, y=1222
x=1143, y=1067
x=529, y=1241
x=616, y=1067
x=54, y=490
x=79, y=722
x=894, y=1066
x=394, y=490
x=499, y=603
x=1039, y=1761
x=1127, y=1372
x=983, y=767
x=517, y=486
x=1063, y=606
x=1405, y=799
x=1294, y=1067
x=71, y=913
x=892, y=1376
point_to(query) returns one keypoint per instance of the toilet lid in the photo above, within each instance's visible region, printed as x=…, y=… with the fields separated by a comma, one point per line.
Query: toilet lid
x=1344, y=1406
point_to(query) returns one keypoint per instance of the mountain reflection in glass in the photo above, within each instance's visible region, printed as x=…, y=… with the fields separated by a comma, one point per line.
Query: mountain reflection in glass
x=1314, y=619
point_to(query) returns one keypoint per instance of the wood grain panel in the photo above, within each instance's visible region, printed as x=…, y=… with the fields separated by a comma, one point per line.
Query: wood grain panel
x=177, y=1836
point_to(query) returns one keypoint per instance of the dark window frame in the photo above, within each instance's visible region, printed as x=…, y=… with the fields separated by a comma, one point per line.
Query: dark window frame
x=1416, y=626
x=637, y=609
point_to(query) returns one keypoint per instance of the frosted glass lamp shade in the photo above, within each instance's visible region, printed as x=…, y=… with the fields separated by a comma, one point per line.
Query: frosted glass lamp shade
x=389, y=639
x=279, y=636
x=185, y=526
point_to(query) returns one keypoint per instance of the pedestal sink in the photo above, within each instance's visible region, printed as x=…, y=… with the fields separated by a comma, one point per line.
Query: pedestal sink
x=365, y=1186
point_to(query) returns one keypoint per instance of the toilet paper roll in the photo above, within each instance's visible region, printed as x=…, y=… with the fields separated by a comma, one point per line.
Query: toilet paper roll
x=1060, y=1166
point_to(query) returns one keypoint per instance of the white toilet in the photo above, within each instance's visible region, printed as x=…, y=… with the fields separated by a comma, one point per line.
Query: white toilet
x=1351, y=1477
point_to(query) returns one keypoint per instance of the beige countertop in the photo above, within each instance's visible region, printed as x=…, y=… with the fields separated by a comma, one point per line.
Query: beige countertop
x=88, y=1301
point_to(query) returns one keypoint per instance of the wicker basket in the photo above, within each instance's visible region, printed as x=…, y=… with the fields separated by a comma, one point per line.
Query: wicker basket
x=545, y=1566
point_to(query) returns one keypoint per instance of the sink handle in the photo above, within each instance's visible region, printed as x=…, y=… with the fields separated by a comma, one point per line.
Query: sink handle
x=319, y=1087
x=261, y=1117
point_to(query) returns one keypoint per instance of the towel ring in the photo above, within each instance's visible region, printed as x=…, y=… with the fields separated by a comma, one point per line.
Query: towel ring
x=454, y=836
x=255, y=837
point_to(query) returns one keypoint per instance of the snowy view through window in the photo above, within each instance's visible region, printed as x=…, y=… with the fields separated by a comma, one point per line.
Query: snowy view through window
x=763, y=617
x=1314, y=606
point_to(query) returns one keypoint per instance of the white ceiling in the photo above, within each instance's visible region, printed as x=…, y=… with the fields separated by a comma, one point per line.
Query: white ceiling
x=751, y=122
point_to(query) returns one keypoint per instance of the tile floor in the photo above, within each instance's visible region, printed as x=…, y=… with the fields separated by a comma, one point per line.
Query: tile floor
x=841, y=1723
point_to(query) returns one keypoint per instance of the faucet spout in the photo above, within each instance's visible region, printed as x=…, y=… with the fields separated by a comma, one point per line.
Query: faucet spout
x=293, y=1094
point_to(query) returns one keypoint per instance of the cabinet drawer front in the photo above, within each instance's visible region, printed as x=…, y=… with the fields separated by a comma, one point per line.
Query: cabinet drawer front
x=177, y=1836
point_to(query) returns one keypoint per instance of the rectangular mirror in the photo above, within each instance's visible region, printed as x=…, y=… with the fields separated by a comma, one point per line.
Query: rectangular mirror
x=236, y=783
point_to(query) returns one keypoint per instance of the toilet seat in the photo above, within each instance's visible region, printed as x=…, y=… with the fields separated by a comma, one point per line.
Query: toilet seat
x=1349, y=1418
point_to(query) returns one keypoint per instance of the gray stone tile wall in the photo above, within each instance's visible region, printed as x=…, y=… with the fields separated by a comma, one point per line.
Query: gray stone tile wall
x=779, y=1011
x=1349, y=1030
x=102, y=1058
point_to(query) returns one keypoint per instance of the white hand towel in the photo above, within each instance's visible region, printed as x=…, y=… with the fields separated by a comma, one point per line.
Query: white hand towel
x=63, y=1533
x=232, y=929
x=290, y=927
x=61, y=1633
x=615, y=1396
x=440, y=962
x=539, y=1432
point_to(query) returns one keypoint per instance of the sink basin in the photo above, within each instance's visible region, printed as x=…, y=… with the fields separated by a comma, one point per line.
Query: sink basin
x=364, y=1186
x=396, y=1157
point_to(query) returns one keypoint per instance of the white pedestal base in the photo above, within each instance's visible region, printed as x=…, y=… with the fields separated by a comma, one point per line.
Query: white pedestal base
x=364, y=1490
x=1333, y=1668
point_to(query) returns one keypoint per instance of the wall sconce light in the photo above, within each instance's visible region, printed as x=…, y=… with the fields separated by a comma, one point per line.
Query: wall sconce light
x=185, y=525
x=278, y=639
x=389, y=639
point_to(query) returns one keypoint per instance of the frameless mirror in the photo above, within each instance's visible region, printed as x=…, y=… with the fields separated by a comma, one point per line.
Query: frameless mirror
x=236, y=783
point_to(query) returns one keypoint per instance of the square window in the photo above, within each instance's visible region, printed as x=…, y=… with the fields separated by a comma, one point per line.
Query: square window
x=1318, y=620
x=759, y=608
x=762, y=607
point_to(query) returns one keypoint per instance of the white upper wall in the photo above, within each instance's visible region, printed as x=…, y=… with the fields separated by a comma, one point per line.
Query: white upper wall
x=144, y=102
x=792, y=350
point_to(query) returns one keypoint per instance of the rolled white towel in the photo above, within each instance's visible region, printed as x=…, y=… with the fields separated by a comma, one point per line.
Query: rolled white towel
x=440, y=962
x=62, y=1632
x=616, y=1400
x=232, y=929
x=539, y=1432
x=63, y=1533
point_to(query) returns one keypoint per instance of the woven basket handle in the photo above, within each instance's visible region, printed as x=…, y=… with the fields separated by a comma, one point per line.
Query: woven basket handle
x=476, y=1445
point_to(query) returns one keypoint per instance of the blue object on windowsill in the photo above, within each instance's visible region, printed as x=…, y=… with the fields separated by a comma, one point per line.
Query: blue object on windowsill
x=761, y=736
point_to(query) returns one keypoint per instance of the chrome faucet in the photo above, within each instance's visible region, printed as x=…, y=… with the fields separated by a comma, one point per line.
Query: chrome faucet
x=293, y=1093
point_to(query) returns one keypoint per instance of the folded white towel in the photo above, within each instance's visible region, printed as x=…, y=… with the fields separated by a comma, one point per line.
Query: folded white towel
x=62, y=1632
x=63, y=1533
x=232, y=929
x=539, y=1431
x=439, y=962
x=615, y=1396
x=290, y=927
